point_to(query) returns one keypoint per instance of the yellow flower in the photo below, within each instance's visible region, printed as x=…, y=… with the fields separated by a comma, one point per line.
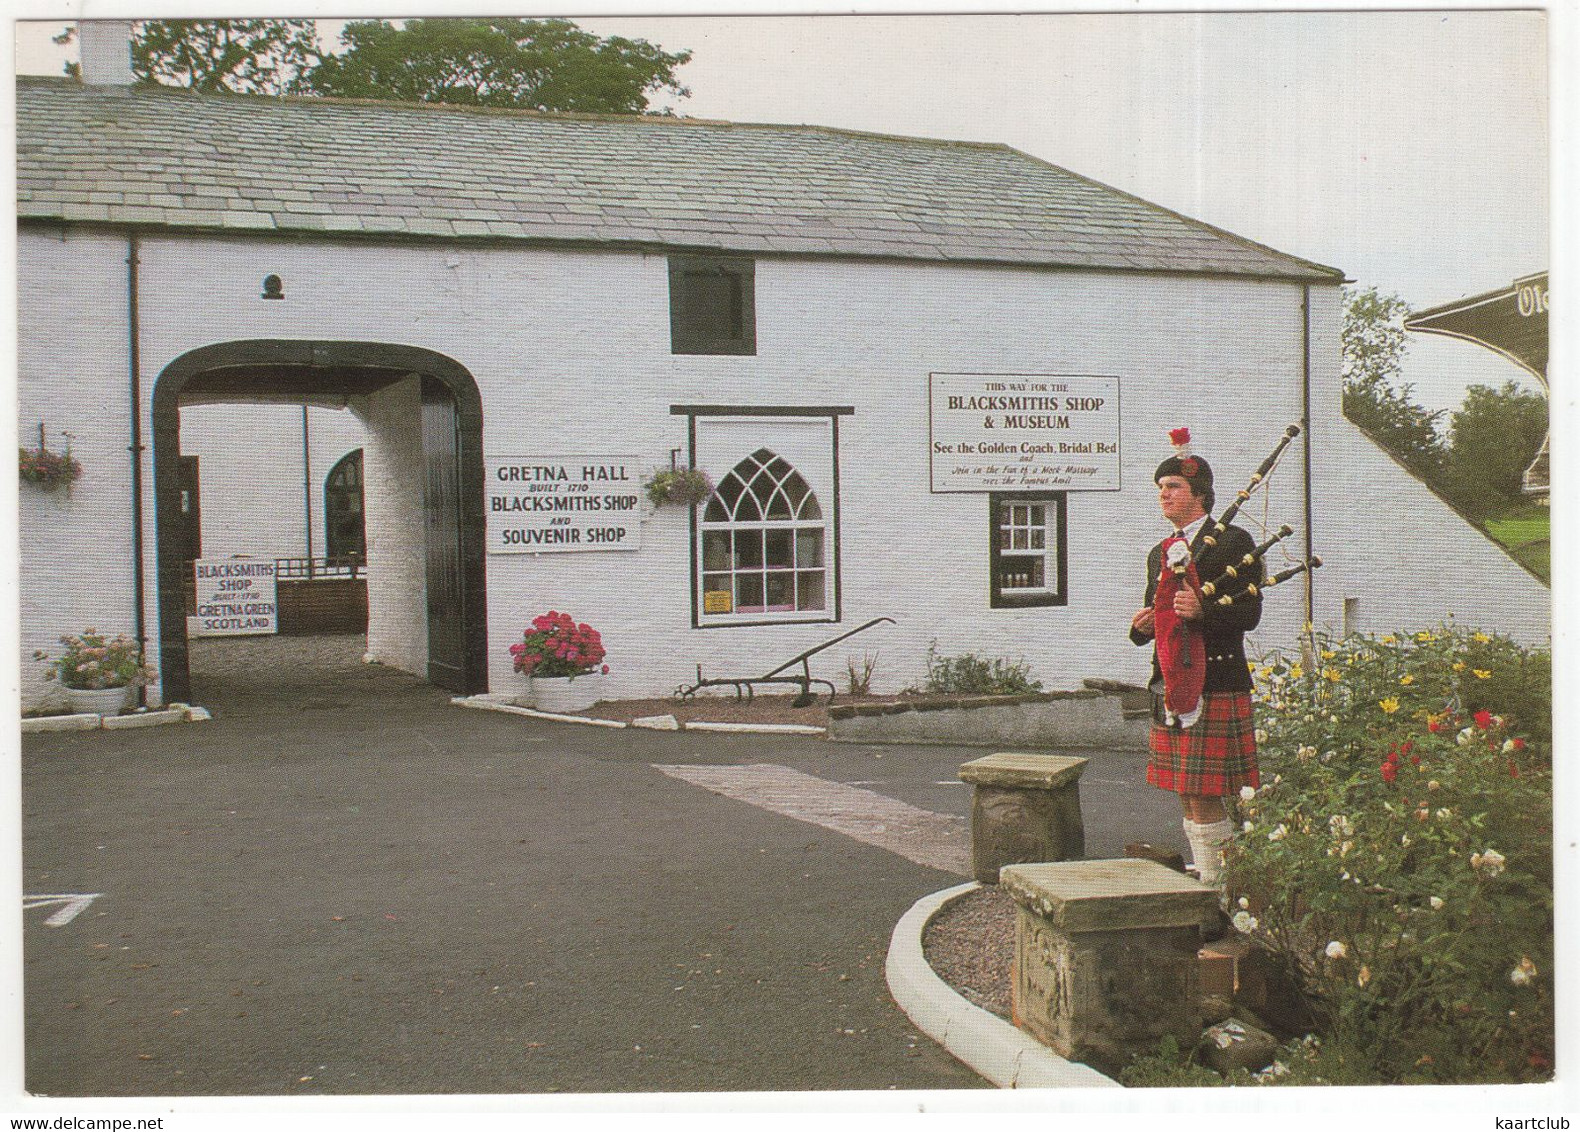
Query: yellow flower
x=1480, y=638
x=1425, y=638
x=1296, y=672
x=1332, y=674
x=1388, y=640
x=1390, y=705
x=1459, y=666
x=1328, y=654
x=1481, y=674
x=1407, y=679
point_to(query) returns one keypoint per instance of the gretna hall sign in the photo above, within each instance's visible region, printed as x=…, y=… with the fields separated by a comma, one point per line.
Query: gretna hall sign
x=1023, y=432
x=560, y=503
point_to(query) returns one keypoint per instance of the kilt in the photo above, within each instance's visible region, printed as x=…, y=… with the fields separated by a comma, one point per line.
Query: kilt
x=1213, y=757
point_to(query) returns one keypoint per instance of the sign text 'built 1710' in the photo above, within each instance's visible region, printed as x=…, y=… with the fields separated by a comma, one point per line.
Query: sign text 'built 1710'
x=539, y=504
x=1023, y=432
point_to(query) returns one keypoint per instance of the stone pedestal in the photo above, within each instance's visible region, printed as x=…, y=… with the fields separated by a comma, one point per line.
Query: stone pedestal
x=1024, y=807
x=1105, y=956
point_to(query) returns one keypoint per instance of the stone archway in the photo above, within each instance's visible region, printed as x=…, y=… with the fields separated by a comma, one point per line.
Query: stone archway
x=449, y=421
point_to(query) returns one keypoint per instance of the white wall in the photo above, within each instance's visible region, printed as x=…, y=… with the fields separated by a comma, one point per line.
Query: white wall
x=393, y=511
x=570, y=351
x=250, y=474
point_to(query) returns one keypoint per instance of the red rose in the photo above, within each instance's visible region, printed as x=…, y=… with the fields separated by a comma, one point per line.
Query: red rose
x=1433, y=726
x=1483, y=719
x=1390, y=771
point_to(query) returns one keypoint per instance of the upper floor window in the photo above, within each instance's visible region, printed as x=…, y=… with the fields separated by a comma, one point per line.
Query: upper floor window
x=712, y=305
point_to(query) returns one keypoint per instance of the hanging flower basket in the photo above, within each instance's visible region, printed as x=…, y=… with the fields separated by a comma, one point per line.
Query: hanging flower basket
x=679, y=487
x=48, y=469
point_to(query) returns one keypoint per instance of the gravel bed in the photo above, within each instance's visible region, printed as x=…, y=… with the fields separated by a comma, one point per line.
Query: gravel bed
x=971, y=946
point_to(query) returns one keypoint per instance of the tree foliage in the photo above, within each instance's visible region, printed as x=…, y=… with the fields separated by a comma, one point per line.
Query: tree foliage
x=529, y=64
x=240, y=56
x=1375, y=397
x=1495, y=435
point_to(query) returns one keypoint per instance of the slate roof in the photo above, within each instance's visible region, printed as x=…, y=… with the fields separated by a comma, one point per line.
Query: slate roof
x=178, y=160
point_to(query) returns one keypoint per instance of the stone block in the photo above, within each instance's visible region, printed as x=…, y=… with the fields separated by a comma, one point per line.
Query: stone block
x=143, y=719
x=1234, y=1044
x=1024, y=807
x=1106, y=956
x=83, y=721
x=657, y=723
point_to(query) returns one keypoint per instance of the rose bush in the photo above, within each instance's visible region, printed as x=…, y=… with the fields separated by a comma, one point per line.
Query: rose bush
x=1398, y=856
x=556, y=645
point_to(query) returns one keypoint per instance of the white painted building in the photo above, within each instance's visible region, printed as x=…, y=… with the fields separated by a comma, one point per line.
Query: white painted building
x=489, y=293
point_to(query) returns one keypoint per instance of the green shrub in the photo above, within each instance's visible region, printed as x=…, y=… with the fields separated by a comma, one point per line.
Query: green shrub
x=1398, y=857
x=972, y=675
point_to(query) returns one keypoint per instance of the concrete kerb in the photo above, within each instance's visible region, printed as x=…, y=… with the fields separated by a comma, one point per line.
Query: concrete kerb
x=494, y=701
x=90, y=721
x=985, y=1042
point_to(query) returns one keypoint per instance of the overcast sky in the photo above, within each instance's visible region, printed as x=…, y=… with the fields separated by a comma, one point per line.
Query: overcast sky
x=1409, y=149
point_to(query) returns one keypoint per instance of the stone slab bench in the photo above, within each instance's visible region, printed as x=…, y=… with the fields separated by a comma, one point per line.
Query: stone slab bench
x=1106, y=956
x=1084, y=719
x=1025, y=806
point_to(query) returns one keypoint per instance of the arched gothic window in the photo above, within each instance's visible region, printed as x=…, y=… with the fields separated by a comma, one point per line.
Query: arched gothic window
x=763, y=541
x=344, y=531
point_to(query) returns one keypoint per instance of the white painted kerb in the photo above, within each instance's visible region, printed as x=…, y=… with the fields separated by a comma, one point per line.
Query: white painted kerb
x=992, y=1047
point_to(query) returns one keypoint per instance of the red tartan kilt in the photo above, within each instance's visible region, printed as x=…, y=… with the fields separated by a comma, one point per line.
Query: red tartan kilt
x=1213, y=757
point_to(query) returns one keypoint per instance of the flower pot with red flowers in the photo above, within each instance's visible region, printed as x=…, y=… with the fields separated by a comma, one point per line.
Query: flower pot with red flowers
x=563, y=661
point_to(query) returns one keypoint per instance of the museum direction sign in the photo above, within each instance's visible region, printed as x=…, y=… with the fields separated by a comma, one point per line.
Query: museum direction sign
x=1023, y=432
x=551, y=504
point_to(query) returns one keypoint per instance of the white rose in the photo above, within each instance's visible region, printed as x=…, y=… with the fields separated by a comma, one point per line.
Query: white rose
x=1244, y=922
x=1337, y=950
x=1280, y=833
x=1247, y=793
x=1244, y=902
x=1437, y=903
x=1465, y=737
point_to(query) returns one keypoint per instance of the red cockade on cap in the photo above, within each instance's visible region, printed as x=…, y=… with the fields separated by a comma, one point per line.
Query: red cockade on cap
x=1180, y=439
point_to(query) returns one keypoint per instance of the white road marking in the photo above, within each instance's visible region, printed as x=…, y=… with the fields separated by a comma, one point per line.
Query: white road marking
x=939, y=841
x=73, y=903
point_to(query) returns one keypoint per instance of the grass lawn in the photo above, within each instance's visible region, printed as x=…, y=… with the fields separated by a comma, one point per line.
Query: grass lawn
x=1525, y=531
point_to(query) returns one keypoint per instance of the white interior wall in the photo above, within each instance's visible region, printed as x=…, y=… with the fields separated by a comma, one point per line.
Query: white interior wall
x=393, y=506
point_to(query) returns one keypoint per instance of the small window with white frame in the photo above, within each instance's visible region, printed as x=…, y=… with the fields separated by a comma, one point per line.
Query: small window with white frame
x=1026, y=549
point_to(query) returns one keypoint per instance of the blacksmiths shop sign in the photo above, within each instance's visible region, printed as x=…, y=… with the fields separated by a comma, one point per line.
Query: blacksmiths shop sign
x=558, y=503
x=235, y=597
x=1023, y=432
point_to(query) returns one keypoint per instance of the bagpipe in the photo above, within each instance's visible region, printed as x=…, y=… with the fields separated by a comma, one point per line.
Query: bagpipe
x=1182, y=651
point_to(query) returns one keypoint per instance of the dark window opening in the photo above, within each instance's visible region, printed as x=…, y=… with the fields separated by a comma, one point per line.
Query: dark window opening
x=345, y=534
x=712, y=306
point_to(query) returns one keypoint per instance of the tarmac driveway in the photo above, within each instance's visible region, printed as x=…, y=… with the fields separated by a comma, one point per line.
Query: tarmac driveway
x=351, y=886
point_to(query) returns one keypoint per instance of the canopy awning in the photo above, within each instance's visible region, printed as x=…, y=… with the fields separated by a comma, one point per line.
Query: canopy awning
x=1511, y=321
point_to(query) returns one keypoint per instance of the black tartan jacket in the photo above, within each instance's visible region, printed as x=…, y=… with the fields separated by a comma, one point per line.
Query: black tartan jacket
x=1223, y=628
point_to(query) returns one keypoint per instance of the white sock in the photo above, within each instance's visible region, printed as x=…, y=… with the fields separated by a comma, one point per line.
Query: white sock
x=1207, y=840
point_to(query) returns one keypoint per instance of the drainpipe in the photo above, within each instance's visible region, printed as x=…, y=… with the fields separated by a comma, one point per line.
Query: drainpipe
x=307, y=489
x=134, y=365
x=1305, y=431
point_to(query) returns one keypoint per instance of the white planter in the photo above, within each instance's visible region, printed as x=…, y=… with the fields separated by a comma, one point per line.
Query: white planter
x=99, y=701
x=564, y=694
